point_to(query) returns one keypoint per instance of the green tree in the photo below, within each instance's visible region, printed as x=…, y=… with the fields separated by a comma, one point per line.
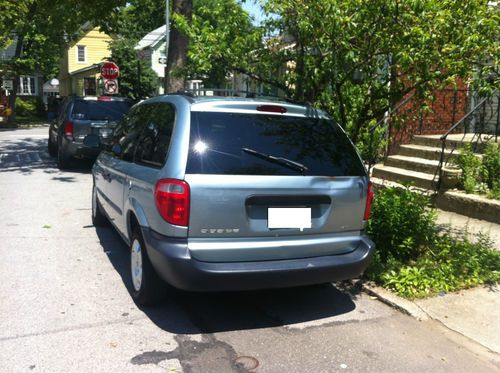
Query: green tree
x=221, y=39
x=137, y=79
x=357, y=58
x=41, y=29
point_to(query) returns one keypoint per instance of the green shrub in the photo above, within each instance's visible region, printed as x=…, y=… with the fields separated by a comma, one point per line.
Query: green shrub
x=401, y=223
x=491, y=164
x=26, y=107
x=413, y=259
x=494, y=192
x=471, y=168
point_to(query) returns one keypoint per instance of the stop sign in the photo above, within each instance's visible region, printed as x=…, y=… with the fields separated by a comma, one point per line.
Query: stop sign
x=110, y=70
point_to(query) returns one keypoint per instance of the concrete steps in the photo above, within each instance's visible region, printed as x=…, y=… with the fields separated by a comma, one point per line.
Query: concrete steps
x=452, y=141
x=419, y=179
x=425, y=152
x=417, y=163
x=412, y=163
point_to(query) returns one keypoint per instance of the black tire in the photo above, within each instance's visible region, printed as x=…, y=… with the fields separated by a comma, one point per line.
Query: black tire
x=98, y=217
x=147, y=288
x=63, y=161
x=52, y=148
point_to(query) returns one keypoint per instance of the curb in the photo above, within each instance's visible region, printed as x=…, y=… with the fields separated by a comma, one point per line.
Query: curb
x=392, y=300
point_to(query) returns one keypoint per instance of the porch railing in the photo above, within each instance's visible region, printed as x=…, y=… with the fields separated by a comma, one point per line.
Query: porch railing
x=374, y=154
x=480, y=125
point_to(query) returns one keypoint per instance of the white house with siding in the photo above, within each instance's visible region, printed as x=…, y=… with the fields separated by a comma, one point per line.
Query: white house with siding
x=151, y=48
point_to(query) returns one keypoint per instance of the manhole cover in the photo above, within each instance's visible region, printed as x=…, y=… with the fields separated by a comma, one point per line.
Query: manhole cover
x=247, y=362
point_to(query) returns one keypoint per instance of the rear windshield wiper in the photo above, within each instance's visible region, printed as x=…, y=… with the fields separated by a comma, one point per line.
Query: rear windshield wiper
x=279, y=160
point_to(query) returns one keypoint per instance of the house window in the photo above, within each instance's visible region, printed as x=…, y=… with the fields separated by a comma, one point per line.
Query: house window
x=27, y=86
x=80, y=53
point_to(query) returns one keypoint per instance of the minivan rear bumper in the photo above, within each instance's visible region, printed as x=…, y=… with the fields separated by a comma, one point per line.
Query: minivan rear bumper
x=171, y=259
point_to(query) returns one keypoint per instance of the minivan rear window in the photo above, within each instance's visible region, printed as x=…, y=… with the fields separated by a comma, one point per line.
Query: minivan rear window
x=261, y=144
x=100, y=110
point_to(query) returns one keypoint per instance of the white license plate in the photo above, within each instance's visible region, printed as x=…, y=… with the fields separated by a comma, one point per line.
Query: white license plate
x=289, y=217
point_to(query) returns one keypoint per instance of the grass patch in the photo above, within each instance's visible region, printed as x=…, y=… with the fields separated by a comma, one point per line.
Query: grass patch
x=413, y=259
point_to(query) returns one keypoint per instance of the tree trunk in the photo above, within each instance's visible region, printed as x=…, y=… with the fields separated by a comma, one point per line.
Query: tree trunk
x=177, y=50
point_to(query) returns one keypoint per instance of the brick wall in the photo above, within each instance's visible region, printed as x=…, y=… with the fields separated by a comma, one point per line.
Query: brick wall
x=449, y=106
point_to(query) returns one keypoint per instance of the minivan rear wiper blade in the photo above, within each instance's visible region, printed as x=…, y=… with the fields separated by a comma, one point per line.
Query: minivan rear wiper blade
x=280, y=160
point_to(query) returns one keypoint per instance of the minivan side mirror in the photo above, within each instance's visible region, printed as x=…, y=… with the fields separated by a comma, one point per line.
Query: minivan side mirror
x=92, y=141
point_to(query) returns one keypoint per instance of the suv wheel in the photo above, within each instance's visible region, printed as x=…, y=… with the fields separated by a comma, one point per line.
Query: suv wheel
x=52, y=148
x=63, y=161
x=98, y=217
x=146, y=285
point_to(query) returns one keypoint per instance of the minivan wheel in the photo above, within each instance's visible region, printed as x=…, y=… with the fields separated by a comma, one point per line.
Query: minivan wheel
x=146, y=285
x=98, y=217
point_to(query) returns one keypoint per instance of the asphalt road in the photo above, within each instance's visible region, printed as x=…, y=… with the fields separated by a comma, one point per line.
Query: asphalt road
x=65, y=305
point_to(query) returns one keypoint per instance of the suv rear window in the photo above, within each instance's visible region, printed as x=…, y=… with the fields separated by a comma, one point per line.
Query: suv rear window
x=100, y=110
x=249, y=144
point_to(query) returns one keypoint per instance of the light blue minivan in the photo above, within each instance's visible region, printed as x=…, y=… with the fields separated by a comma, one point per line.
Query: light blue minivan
x=216, y=194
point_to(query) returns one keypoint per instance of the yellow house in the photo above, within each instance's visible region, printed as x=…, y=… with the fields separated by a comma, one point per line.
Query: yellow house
x=80, y=66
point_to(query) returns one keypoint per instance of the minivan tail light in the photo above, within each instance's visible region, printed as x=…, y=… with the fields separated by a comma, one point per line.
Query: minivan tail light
x=172, y=201
x=68, y=129
x=369, y=200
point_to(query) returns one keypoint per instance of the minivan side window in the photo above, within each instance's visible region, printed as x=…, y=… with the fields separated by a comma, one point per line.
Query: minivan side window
x=154, y=141
x=128, y=131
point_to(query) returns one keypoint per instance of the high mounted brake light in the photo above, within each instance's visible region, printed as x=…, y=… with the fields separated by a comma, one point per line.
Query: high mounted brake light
x=272, y=109
x=172, y=201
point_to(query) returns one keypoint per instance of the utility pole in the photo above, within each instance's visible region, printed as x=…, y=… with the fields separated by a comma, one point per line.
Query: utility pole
x=167, y=42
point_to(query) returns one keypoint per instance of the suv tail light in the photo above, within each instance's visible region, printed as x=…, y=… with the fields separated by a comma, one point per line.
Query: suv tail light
x=369, y=200
x=68, y=129
x=172, y=201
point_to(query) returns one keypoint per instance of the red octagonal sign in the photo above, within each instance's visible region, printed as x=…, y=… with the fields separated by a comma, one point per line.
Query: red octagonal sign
x=110, y=70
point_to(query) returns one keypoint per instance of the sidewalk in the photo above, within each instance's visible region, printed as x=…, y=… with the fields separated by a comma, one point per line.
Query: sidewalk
x=474, y=313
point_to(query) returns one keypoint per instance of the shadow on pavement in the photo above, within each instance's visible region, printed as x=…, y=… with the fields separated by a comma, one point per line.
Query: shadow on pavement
x=25, y=155
x=194, y=313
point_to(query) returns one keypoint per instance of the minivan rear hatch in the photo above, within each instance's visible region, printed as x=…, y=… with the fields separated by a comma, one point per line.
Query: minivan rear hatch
x=274, y=180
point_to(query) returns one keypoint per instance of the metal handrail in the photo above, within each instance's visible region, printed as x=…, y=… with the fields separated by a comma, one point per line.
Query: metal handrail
x=452, y=128
x=372, y=129
x=439, y=170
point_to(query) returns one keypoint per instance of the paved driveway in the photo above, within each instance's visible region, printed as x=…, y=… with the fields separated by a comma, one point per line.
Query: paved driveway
x=65, y=305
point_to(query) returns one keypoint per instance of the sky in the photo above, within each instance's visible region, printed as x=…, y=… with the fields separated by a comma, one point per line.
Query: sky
x=253, y=7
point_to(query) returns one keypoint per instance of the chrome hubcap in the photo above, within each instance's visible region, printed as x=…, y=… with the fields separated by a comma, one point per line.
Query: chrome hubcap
x=136, y=264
